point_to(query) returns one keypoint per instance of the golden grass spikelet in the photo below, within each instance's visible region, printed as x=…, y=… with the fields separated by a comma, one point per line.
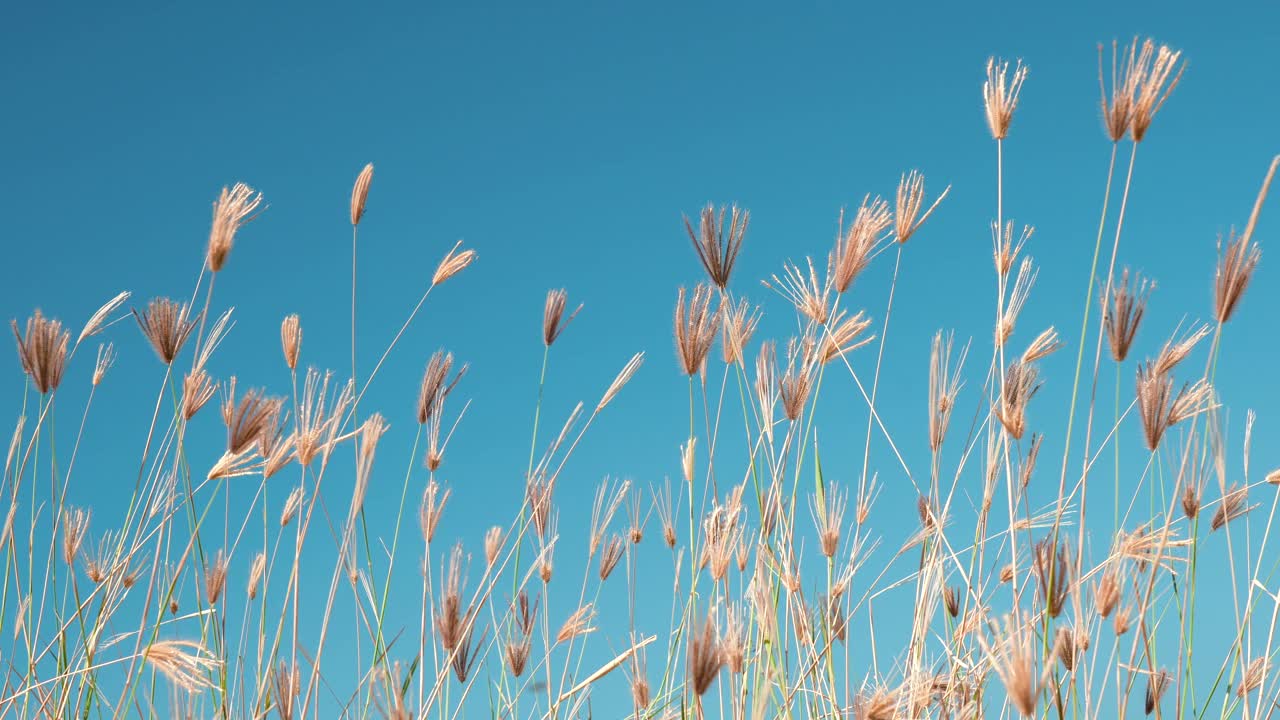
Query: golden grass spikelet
x=215, y=578
x=810, y=296
x=319, y=415
x=828, y=515
x=1159, y=408
x=1236, y=264
x=1126, y=80
x=737, y=326
x=696, y=326
x=1022, y=284
x=234, y=208
x=1045, y=344
x=1000, y=95
x=99, y=318
x=492, y=544
x=248, y=418
x=705, y=657
x=106, y=360
x=167, y=325
x=1156, y=685
x=1158, y=82
x=1011, y=654
x=449, y=619
x=360, y=193
x=1124, y=311
x=944, y=386
x=853, y=250
x=291, y=340
x=453, y=263
x=717, y=245
x=907, y=218
x=797, y=379
x=436, y=384
x=1234, y=504
x=256, y=572
x=624, y=376
x=292, y=505
x=1021, y=383
x=286, y=686
x=197, y=390
x=577, y=624
x=1006, y=249
x=1052, y=566
x=553, y=319
x=845, y=333
x=429, y=513
x=186, y=663
x=42, y=351
x=75, y=528
x=1177, y=348
x=1253, y=676
x=610, y=556
x=603, y=509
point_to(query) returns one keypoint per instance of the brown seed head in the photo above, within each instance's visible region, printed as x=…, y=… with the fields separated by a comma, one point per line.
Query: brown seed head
x=256, y=571
x=1234, y=504
x=197, y=389
x=1021, y=383
x=853, y=250
x=845, y=333
x=1006, y=250
x=705, y=657
x=106, y=359
x=951, y=598
x=810, y=296
x=907, y=218
x=610, y=556
x=1253, y=676
x=234, y=208
x=797, y=380
x=718, y=246
x=1052, y=566
x=828, y=516
x=360, y=193
x=1236, y=264
x=624, y=376
x=577, y=624
x=1157, y=683
x=1000, y=95
x=291, y=340
x=436, y=384
x=42, y=351
x=166, y=325
x=432, y=508
x=453, y=263
x=944, y=386
x=1124, y=312
x=1158, y=81
x=553, y=319
x=215, y=578
x=738, y=325
x=291, y=506
x=1126, y=81
x=187, y=664
x=75, y=527
x=696, y=326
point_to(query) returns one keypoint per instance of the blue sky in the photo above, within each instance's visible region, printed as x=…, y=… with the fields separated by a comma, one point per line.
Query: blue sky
x=563, y=143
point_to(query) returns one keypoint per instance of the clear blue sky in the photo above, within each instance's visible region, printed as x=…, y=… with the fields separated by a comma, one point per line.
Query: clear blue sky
x=563, y=143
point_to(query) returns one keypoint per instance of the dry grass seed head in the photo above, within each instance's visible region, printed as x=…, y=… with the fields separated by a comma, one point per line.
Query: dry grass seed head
x=187, y=664
x=433, y=502
x=577, y=624
x=853, y=250
x=234, y=208
x=1126, y=80
x=845, y=333
x=453, y=263
x=449, y=620
x=1045, y=344
x=291, y=506
x=106, y=359
x=944, y=386
x=75, y=527
x=797, y=379
x=215, y=578
x=610, y=556
x=1234, y=504
x=492, y=544
x=828, y=515
x=1011, y=654
x=197, y=390
x=553, y=319
x=907, y=218
x=256, y=571
x=717, y=245
x=1000, y=95
x=291, y=340
x=737, y=326
x=287, y=685
x=42, y=351
x=436, y=384
x=1052, y=566
x=1006, y=250
x=696, y=326
x=1253, y=676
x=1022, y=284
x=1158, y=82
x=360, y=193
x=810, y=296
x=705, y=657
x=1235, y=268
x=1021, y=383
x=1124, y=311
x=1157, y=683
x=624, y=376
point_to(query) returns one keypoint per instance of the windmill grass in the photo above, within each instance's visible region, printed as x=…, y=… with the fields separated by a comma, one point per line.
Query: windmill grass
x=773, y=612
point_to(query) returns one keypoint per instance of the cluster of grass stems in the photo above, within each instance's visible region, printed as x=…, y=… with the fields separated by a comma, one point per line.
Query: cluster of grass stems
x=1022, y=617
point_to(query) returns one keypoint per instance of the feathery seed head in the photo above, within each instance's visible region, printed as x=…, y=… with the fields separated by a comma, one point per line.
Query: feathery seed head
x=291, y=340
x=42, y=351
x=256, y=571
x=737, y=326
x=1124, y=311
x=1126, y=81
x=553, y=319
x=844, y=334
x=1158, y=81
x=944, y=386
x=360, y=193
x=234, y=208
x=106, y=359
x=705, y=657
x=75, y=527
x=166, y=325
x=696, y=326
x=853, y=250
x=1000, y=95
x=907, y=218
x=215, y=578
x=717, y=245
x=453, y=263
x=187, y=664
